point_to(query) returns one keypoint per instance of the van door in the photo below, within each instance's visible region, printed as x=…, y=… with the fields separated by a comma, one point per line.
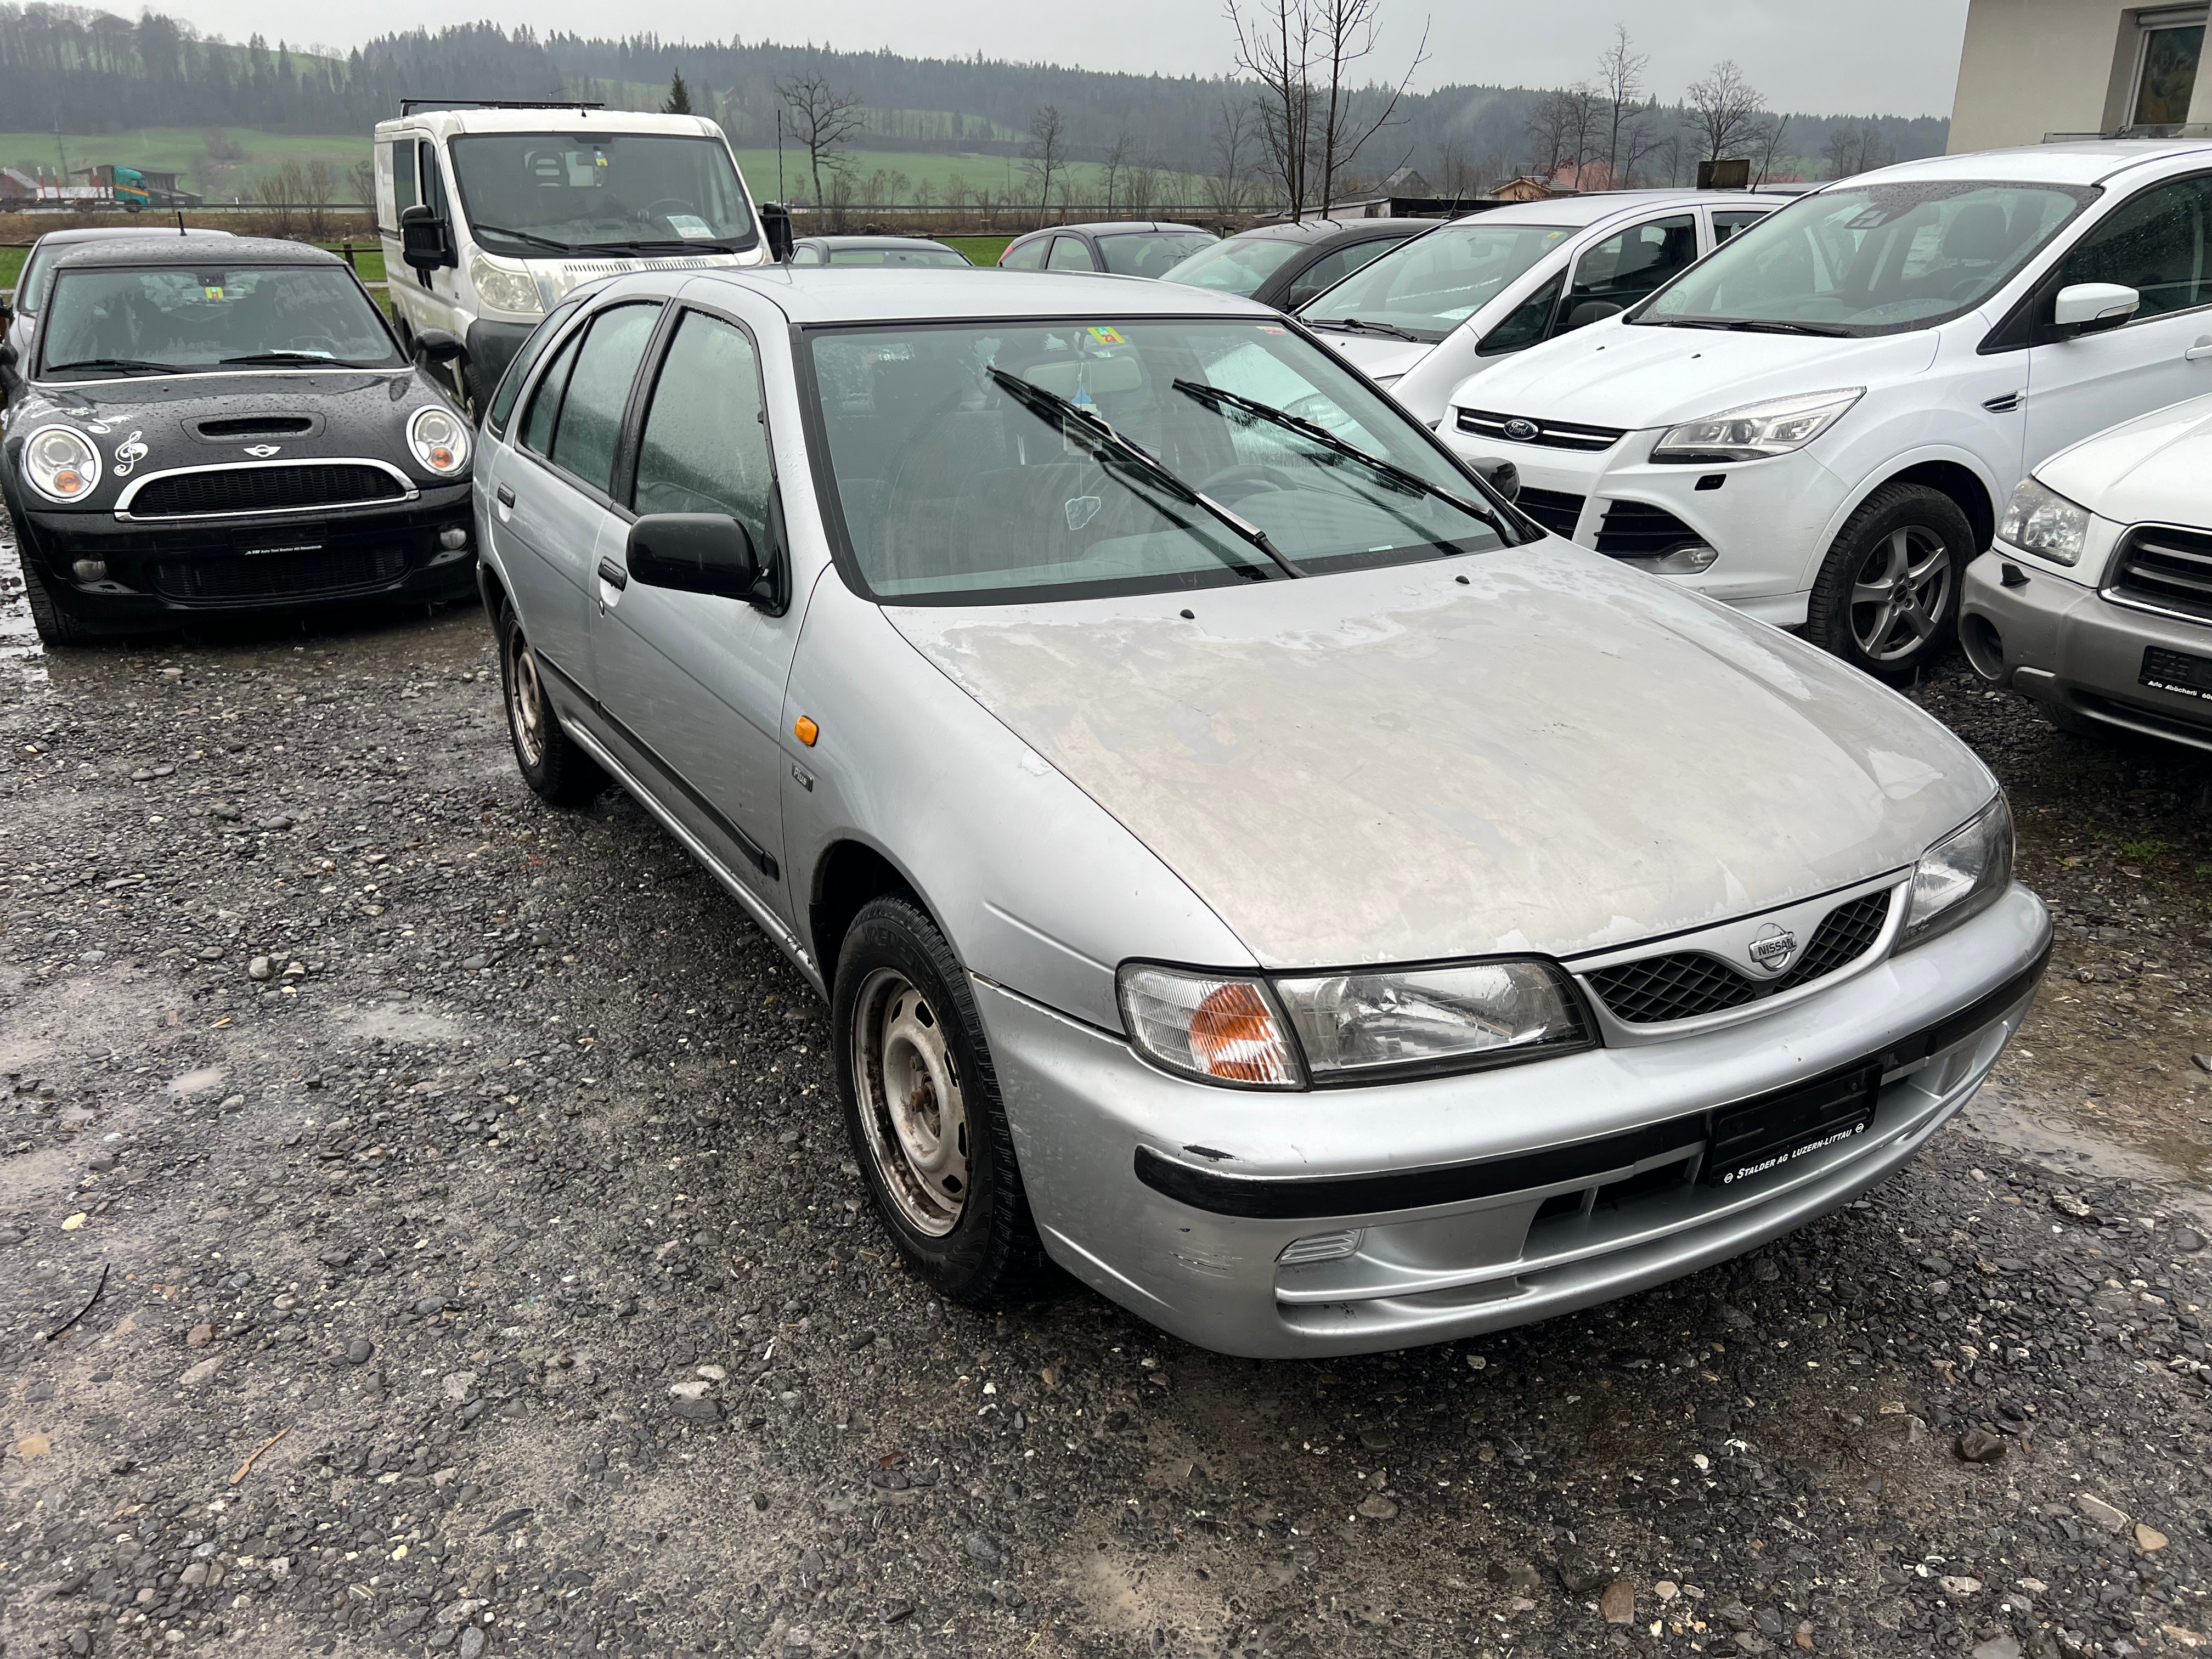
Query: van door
x=2158, y=242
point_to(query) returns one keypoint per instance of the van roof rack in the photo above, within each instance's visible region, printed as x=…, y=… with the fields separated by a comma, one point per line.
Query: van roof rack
x=409, y=106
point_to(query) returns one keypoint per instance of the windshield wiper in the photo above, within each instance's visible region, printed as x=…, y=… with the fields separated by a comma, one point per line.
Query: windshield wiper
x=294, y=357
x=1355, y=325
x=531, y=237
x=1216, y=399
x=1758, y=326
x=654, y=245
x=1065, y=415
x=135, y=365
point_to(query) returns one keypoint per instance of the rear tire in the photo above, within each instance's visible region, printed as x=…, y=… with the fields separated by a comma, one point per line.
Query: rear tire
x=1887, y=598
x=923, y=1109
x=476, y=396
x=55, y=626
x=556, y=770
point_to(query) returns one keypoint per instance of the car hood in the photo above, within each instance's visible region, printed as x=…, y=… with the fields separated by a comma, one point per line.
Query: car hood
x=2153, y=468
x=155, y=423
x=1612, y=375
x=1377, y=356
x=1391, y=766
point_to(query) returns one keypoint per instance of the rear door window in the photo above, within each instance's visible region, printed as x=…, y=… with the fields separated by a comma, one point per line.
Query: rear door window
x=1631, y=263
x=1029, y=256
x=590, y=422
x=1729, y=221
x=1068, y=253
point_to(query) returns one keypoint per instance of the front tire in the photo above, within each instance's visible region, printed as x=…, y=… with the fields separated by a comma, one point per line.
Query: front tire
x=1887, y=598
x=55, y=626
x=923, y=1109
x=556, y=770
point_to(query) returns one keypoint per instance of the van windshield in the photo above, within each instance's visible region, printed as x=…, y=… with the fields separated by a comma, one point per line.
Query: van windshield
x=1424, y=288
x=1009, y=462
x=529, y=194
x=1873, y=259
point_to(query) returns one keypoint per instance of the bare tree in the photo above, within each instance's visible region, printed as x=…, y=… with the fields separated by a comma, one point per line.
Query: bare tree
x=1620, y=83
x=361, y=179
x=1228, y=188
x=1045, y=156
x=1724, y=112
x=319, y=186
x=1275, y=45
x=1116, y=160
x=1549, y=128
x=1768, y=143
x=822, y=118
x=1853, y=149
x=1349, y=29
x=1313, y=123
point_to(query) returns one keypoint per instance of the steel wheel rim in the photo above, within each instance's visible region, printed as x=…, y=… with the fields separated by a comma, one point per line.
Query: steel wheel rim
x=1900, y=594
x=526, y=702
x=913, y=1114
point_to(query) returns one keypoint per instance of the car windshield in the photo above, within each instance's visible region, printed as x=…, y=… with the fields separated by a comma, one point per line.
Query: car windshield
x=1149, y=252
x=1871, y=258
x=529, y=194
x=939, y=257
x=1237, y=265
x=173, y=317
x=1007, y=462
x=1428, y=286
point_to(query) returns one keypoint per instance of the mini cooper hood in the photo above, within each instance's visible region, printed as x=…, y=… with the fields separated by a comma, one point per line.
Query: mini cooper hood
x=2154, y=468
x=1387, y=766
x=1616, y=374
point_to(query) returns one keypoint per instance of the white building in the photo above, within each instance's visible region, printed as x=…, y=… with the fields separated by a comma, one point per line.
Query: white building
x=2035, y=67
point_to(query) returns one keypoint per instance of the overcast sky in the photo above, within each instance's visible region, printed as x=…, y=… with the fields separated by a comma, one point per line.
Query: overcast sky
x=1887, y=57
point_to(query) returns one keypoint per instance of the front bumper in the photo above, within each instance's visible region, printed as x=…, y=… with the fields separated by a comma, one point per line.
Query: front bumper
x=159, y=574
x=2069, y=647
x=1486, y=1200
x=1766, y=519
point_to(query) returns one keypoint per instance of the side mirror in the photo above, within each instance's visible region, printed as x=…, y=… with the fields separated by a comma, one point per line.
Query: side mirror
x=8, y=355
x=2093, y=307
x=1589, y=311
x=695, y=553
x=425, y=242
x=1501, y=475
x=436, y=345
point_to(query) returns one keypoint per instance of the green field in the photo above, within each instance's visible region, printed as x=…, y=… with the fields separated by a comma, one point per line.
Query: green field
x=11, y=264
x=980, y=250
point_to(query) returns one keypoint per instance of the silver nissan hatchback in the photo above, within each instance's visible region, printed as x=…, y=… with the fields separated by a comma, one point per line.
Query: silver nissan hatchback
x=1249, y=863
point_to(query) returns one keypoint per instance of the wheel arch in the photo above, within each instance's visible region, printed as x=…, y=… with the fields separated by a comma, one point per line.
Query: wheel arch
x=1959, y=474
x=848, y=874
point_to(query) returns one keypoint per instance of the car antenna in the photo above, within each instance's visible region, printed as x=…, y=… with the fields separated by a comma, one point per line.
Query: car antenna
x=180, y=222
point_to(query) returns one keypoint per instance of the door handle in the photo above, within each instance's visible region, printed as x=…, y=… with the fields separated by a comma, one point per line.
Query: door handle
x=2198, y=352
x=506, y=496
x=613, y=574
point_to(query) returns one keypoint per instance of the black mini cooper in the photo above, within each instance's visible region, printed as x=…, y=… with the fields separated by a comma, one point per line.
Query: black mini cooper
x=225, y=428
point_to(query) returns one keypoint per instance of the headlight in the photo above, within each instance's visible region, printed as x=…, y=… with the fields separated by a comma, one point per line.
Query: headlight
x=1756, y=430
x=2044, y=522
x=61, y=464
x=1960, y=876
x=438, y=438
x=1350, y=1027
x=504, y=290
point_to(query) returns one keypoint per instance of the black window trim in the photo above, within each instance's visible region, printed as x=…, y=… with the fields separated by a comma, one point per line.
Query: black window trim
x=591, y=491
x=2025, y=323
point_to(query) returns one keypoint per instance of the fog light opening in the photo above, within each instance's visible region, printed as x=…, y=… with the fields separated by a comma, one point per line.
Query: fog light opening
x=1322, y=1247
x=1687, y=560
x=1984, y=647
x=89, y=570
x=453, y=537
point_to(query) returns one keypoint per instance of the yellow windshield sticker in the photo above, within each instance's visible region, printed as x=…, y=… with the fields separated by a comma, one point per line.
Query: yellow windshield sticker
x=1108, y=337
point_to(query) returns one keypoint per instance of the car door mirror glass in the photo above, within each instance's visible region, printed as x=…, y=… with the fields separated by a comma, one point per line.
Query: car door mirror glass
x=436, y=345
x=1589, y=311
x=695, y=553
x=2092, y=308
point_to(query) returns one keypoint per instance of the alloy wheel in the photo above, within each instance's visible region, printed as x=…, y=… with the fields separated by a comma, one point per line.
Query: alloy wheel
x=1901, y=593
x=911, y=1107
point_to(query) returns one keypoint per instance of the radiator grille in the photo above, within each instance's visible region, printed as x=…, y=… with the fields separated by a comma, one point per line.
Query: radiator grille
x=1554, y=509
x=2166, y=567
x=278, y=575
x=264, y=490
x=1686, y=984
x=1545, y=434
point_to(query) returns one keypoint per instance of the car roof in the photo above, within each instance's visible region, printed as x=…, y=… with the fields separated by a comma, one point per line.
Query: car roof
x=178, y=250
x=1600, y=204
x=108, y=233
x=2082, y=161
x=564, y=118
x=850, y=294
x=1316, y=230
x=1115, y=227
x=876, y=241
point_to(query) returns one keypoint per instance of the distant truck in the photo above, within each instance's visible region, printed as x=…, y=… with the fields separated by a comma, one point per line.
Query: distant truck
x=490, y=214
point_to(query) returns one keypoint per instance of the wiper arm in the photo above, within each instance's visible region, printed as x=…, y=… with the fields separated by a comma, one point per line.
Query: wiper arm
x=130, y=363
x=1760, y=326
x=529, y=236
x=1216, y=399
x=288, y=357
x=1072, y=418
x=1355, y=325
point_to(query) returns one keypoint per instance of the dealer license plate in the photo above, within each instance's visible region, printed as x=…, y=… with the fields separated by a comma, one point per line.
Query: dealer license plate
x=2178, y=672
x=1767, y=1134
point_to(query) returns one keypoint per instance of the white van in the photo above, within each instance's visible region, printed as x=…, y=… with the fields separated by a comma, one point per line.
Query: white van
x=489, y=214
x=1821, y=423
x=1468, y=296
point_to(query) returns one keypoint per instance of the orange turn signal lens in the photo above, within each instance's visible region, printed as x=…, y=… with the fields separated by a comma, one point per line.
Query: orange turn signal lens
x=806, y=730
x=1233, y=1035
x=1208, y=1025
x=68, y=481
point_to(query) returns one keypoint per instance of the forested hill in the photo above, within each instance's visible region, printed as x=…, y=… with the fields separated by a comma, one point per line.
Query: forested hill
x=93, y=72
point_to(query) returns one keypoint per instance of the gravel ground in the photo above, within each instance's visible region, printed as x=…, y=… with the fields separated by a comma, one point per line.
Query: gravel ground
x=474, y=1264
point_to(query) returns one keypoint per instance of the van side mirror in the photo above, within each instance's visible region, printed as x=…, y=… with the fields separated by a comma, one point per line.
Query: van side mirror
x=436, y=345
x=1589, y=311
x=2092, y=308
x=8, y=355
x=426, y=242
x=695, y=553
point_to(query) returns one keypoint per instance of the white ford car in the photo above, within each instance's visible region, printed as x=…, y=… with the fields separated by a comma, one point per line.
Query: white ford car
x=1821, y=423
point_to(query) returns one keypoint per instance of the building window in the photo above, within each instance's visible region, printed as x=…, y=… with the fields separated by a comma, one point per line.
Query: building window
x=2165, y=69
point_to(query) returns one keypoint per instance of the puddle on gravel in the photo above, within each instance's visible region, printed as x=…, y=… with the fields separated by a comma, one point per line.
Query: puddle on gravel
x=2018, y=1122
x=22, y=659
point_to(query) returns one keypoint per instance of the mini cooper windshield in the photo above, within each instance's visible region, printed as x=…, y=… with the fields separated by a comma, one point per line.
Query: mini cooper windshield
x=1019, y=461
x=175, y=318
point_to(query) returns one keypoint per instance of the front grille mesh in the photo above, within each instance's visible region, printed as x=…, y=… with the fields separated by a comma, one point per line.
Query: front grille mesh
x=264, y=490
x=278, y=575
x=1637, y=529
x=1686, y=984
x=2168, y=568
x=1554, y=509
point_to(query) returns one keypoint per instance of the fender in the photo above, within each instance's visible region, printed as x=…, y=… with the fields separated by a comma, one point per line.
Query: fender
x=1904, y=461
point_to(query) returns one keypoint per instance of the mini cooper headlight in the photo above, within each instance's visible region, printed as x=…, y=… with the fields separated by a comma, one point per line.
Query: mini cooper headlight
x=504, y=290
x=439, y=438
x=1756, y=430
x=2042, y=521
x=61, y=464
x=1961, y=875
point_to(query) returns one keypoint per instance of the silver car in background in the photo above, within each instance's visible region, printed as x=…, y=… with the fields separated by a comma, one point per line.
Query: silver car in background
x=1249, y=863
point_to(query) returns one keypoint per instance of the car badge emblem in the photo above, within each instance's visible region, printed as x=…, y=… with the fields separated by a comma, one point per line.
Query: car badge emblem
x=262, y=451
x=129, y=453
x=1773, y=948
x=1519, y=430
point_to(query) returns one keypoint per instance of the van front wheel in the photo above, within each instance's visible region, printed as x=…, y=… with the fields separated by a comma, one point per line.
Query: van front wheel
x=1886, y=600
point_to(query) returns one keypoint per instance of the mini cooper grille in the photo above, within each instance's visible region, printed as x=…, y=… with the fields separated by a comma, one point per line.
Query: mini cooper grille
x=1545, y=434
x=1554, y=509
x=275, y=576
x=262, y=489
x=1688, y=983
x=2168, y=568
x=1637, y=529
